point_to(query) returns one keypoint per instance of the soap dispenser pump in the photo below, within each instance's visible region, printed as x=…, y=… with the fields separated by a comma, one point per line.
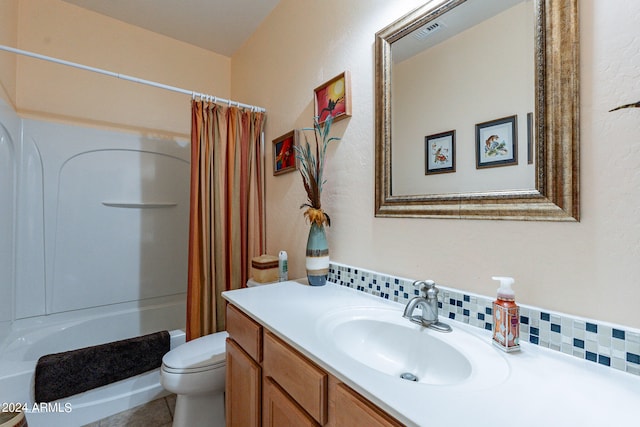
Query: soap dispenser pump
x=506, y=317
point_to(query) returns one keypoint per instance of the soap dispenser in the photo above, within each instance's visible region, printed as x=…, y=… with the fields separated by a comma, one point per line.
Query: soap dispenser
x=506, y=317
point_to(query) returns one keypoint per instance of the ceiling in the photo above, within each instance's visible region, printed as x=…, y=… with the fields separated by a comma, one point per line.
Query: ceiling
x=221, y=26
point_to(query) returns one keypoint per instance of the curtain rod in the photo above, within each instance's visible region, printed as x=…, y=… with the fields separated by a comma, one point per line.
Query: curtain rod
x=132, y=79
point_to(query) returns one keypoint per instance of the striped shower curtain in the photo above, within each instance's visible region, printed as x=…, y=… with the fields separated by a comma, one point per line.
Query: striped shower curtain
x=226, y=216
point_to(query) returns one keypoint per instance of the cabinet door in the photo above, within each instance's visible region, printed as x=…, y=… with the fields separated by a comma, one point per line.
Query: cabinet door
x=351, y=409
x=301, y=379
x=243, y=388
x=282, y=411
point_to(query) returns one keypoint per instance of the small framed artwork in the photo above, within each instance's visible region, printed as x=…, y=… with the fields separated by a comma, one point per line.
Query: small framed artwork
x=496, y=143
x=333, y=98
x=440, y=153
x=284, y=156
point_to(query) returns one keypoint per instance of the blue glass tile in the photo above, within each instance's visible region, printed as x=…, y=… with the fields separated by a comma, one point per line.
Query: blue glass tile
x=401, y=287
x=534, y=340
x=386, y=285
x=617, y=333
x=534, y=331
x=592, y=357
x=386, y=296
x=362, y=278
x=604, y=360
x=370, y=286
x=480, y=316
x=545, y=317
x=452, y=315
x=465, y=312
x=452, y=301
x=555, y=328
x=459, y=303
x=395, y=293
x=377, y=288
x=524, y=320
x=488, y=311
x=578, y=343
x=467, y=298
x=633, y=358
x=397, y=282
x=439, y=304
x=592, y=327
x=406, y=295
x=488, y=326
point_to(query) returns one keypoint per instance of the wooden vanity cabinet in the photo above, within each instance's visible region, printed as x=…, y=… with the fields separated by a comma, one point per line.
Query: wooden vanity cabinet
x=243, y=387
x=269, y=383
x=348, y=407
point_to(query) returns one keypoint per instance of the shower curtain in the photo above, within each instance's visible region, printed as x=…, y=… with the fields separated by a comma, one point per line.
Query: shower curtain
x=226, y=214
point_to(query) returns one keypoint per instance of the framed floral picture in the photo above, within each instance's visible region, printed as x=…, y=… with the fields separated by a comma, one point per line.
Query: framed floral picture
x=496, y=143
x=440, y=153
x=284, y=156
x=333, y=98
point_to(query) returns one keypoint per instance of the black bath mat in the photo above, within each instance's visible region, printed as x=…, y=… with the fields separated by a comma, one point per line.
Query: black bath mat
x=65, y=374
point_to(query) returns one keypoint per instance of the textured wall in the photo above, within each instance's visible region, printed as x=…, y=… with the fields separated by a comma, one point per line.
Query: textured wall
x=65, y=31
x=8, y=37
x=589, y=268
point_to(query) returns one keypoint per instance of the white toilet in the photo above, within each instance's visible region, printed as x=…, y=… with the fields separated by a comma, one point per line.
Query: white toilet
x=195, y=372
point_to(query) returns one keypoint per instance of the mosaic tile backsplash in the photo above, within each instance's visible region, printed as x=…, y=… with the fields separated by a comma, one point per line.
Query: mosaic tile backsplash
x=599, y=342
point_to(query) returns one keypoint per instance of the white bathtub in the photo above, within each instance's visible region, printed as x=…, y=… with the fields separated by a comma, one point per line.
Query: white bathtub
x=28, y=339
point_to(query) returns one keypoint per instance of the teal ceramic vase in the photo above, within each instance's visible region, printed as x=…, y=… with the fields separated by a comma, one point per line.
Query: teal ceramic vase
x=317, y=261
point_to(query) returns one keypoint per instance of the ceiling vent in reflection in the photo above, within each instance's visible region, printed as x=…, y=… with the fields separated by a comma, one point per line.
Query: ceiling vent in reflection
x=427, y=30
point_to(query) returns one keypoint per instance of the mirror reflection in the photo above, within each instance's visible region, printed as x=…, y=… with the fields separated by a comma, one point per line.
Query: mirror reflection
x=460, y=75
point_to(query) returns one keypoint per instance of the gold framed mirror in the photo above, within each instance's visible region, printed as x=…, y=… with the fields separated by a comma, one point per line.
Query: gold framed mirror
x=554, y=126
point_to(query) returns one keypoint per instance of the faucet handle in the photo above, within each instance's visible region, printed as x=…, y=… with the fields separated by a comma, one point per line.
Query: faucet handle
x=425, y=287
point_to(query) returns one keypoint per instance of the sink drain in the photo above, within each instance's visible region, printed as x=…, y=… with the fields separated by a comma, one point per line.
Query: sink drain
x=408, y=376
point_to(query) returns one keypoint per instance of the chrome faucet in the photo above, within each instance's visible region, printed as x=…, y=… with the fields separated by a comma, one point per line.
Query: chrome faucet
x=428, y=303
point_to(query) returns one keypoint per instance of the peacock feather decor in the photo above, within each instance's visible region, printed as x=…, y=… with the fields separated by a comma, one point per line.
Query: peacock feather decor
x=311, y=168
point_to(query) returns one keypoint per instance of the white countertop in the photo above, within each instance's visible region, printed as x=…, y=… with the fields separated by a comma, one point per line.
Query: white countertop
x=541, y=388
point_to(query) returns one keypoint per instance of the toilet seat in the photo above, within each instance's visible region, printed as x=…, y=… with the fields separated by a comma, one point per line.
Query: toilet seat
x=198, y=355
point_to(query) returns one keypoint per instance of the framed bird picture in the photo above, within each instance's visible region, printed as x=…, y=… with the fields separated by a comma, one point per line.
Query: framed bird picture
x=496, y=143
x=333, y=98
x=440, y=153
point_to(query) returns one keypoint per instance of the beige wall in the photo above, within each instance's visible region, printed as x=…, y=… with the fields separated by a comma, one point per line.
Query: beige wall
x=58, y=29
x=8, y=37
x=591, y=268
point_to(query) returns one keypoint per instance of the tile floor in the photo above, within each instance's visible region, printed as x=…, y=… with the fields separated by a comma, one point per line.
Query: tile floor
x=157, y=413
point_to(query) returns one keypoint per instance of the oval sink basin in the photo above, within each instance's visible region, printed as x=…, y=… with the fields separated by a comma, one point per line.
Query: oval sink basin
x=385, y=342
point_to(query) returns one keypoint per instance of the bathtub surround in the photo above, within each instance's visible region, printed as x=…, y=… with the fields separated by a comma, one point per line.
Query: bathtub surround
x=604, y=343
x=98, y=223
x=9, y=145
x=31, y=339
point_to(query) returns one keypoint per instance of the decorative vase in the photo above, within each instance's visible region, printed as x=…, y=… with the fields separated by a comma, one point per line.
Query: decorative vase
x=317, y=261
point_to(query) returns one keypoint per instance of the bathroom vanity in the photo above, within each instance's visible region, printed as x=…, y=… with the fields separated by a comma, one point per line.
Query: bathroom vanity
x=269, y=381
x=331, y=355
